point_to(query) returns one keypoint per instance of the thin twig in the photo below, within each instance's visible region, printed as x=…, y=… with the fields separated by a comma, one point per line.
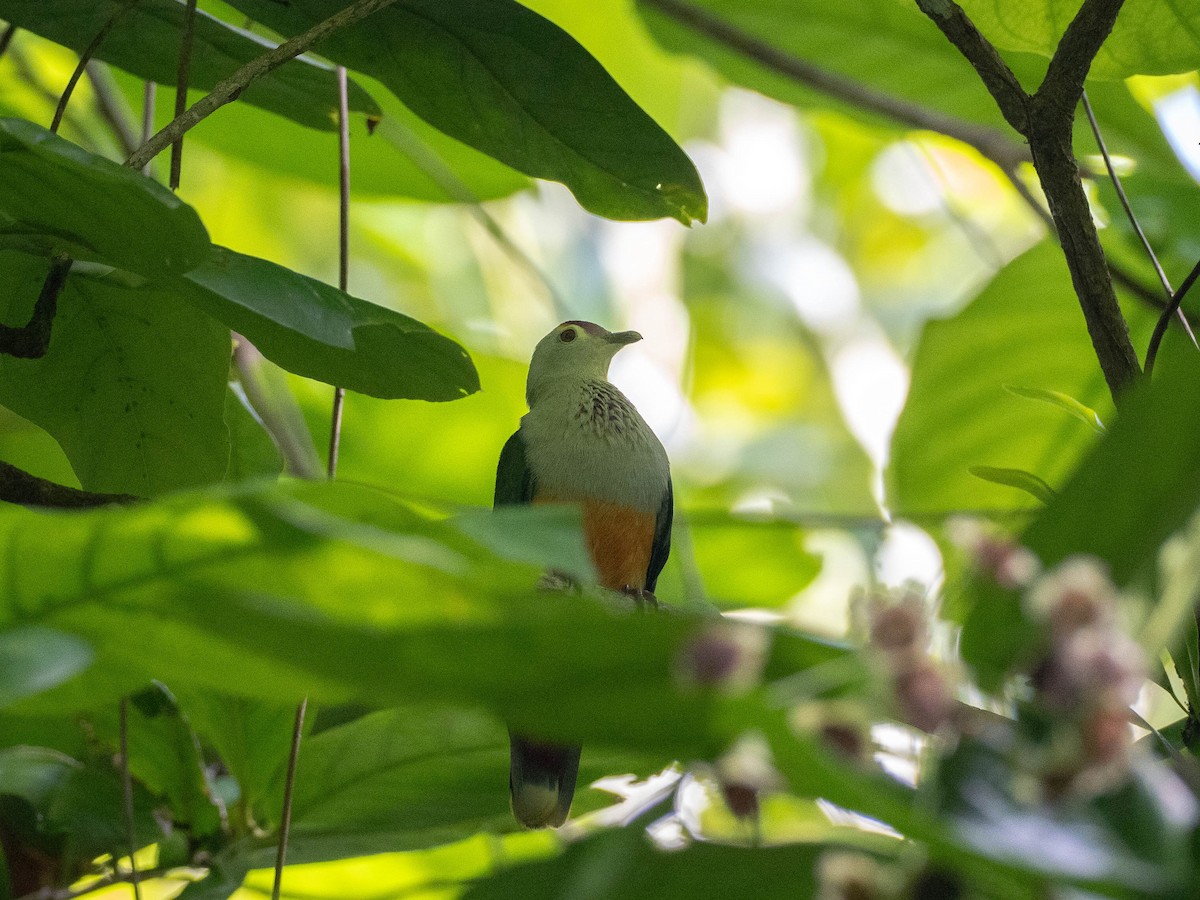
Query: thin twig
x=1116, y=180
x=988, y=141
x=127, y=798
x=1160, y=327
x=6, y=37
x=285, y=824
x=181, y=88
x=112, y=107
x=84, y=59
x=228, y=89
x=1137, y=227
x=339, y=393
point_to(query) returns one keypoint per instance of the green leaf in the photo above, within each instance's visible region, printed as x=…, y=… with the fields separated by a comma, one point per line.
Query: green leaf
x=1151, y=37
x=315, y=330
x=252, y=738
x=55, y=196
x=294, y=590
x=544, y=536
x=502, y=79
x=1024, y=328
x=165, y=758
x=1069, y=405
x=78, y=803
x=145, y=42
x=1015, y=478
x=132, y=387
x=399, y=779
x=33, y=659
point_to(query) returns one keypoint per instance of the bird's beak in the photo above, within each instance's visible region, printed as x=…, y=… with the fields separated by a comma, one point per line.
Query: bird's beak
x=620, y=338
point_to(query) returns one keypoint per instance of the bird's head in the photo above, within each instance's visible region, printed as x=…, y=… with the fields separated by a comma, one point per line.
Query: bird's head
x=574, y=351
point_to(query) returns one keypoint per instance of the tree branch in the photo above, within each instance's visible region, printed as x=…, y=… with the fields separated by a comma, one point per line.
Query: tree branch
x=18, y=486
x=1063, y=85
x=993, y=144
x=32, y=340
x=997, y=77
x=1046, y=121
x=229, y=89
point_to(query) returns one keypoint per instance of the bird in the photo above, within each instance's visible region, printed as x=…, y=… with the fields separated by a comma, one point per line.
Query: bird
x=584, y=442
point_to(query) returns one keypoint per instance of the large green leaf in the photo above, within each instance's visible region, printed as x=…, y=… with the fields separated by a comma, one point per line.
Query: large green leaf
x=342, y=593
x=1151, y=37
x=132, y=386
x=315, y=330
x=502, y=79
x=55, y=196
x=1023, y=332
x=145, y=42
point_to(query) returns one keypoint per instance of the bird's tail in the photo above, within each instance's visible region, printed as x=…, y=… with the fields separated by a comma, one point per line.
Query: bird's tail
x=541, y=781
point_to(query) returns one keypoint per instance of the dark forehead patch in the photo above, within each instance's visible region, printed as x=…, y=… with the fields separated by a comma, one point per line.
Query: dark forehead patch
x=590, y=327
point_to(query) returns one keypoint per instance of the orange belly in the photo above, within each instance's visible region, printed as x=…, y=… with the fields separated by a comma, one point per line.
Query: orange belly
x=619, y=540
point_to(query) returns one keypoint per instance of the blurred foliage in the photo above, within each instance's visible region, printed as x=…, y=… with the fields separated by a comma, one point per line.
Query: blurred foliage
x=872, y=332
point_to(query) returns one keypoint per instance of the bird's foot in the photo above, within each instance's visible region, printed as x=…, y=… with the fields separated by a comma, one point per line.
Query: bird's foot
x=642, y=598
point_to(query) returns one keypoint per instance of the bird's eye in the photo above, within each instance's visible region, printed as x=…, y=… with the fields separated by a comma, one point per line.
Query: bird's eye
x=567, y=336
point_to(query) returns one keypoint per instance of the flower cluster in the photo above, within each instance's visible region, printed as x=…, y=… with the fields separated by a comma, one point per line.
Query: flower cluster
x=899, y=639
x=1088, y=675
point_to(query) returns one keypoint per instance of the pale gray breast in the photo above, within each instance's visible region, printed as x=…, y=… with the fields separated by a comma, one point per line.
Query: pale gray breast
x=587, y=440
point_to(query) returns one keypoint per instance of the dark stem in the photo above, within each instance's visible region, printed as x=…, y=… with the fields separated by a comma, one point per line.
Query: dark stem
x=285, y=823
x=6, y=37
x=988, y=141
x=32, y=340
x=18, y=486
x=84, y=59
x=127, y=797
x=1063, y=85
x=1059, y=174
x=228, y=89
x=181, y=88
x=1160, y=327
x=997, y=77
x=339, y=393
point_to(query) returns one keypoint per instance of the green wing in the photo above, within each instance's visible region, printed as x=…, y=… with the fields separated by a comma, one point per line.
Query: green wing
x=662, y=537
x=514, y=479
